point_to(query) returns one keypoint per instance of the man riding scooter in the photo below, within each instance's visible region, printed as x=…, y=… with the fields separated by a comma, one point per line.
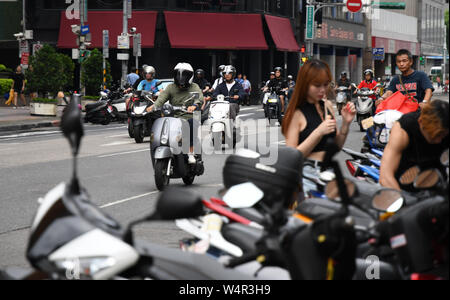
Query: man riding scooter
x=370, y=84
x=180, y=94
x=281, y=85
x=232, y=89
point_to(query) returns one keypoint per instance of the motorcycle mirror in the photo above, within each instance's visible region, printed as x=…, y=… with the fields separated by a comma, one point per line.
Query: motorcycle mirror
x=244, y=195
x=71, y=124
x=176, y=203
x=444, y=158
x=409, y=175
x=388, y=200
x=427, y=179
x=332, y=190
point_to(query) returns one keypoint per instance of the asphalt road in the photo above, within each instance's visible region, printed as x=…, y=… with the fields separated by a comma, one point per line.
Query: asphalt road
x=117, y=173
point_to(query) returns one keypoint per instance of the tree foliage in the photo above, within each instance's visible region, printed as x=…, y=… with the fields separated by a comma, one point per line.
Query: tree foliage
x=92, y=73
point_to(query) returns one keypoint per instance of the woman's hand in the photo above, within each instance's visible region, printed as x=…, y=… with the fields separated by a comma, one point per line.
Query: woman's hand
x=349, y=112
x=328, y=126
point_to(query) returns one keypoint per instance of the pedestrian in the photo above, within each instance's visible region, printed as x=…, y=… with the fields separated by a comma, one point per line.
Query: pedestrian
x=310, y=120
x=19, y=87
x=239, y=79
x=247, y=89
x=438, y=81
x=415, y=83
x=132, y=77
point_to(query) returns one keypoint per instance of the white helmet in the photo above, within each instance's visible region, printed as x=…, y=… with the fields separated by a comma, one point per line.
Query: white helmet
x=149, y=70
x=183, y=75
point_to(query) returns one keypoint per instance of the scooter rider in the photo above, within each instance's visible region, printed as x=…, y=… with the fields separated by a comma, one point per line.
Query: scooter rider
x=179, y=92
x=220, y=79
x=149, y=83
x=200, y=80
x=281, y=84
x=370, y=83
x=344, y=81
x=232, y=88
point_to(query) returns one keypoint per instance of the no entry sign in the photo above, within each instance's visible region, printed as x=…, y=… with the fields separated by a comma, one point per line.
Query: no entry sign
x=354, y=6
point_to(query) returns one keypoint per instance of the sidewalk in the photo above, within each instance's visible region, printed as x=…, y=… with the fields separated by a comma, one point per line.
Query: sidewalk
x=20, y=119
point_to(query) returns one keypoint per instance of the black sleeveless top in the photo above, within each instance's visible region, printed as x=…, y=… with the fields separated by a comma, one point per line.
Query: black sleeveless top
x=419, y=152
x=313, y=120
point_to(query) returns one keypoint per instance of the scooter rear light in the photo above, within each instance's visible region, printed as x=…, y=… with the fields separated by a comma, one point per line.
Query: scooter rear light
x=351, y=167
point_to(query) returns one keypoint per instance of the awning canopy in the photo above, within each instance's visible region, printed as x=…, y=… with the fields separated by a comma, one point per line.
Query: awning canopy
x=215, y=31
x=282, y=33
x=144, y=21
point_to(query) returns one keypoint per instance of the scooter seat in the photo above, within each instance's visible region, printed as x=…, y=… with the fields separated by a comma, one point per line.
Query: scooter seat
x=95, y=105
x=118, y=101
x=243, y=236
x=251, y=214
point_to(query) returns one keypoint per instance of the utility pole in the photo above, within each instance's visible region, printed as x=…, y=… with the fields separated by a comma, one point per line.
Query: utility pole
x=125, y=32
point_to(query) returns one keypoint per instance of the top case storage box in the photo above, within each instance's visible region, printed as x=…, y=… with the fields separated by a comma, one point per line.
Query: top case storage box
x=278, y=182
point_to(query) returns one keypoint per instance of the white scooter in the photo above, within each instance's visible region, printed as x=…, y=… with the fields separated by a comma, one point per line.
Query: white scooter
x=341, y=98
x=221, y=125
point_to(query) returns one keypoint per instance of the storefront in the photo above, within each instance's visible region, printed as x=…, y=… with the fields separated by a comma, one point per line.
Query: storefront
x=341, y=45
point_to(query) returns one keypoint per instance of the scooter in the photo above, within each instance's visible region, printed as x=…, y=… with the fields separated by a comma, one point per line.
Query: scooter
x=341, y=98
x=100, y=112
x=222, y=127
x=95, y=246
x=140, y=122
x=273, y=107
x=365, y=105
x=168, y=158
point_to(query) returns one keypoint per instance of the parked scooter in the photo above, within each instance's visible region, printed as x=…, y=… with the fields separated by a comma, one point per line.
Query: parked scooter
x=222, y=127
x=365, y=105
x=168, y=158
x=100, y=112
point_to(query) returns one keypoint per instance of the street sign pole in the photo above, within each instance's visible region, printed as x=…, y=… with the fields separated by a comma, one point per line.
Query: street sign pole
x=310, y=30
x=125, y=33
x=105, y=54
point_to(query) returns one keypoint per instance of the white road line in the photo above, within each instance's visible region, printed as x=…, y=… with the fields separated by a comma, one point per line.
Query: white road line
x=27, y=134
x=118, y=144
x=124, y=153
x=116, y=136
x=128, y=199
x=245, y=115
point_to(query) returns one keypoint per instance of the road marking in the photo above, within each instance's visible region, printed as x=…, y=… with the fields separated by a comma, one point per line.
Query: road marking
x=28, y=134
x=116, y=136
x=124, y=153
x=128, y=199
x=118, y=144
x=245, y=115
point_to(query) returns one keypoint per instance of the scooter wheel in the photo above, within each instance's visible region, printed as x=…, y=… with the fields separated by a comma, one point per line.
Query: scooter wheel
x=189, y=180
x=130, y=129
x=139, y=134
x=161, y=178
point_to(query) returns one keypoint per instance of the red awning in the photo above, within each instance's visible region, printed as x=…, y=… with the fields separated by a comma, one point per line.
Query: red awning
x=144, y=21
x=282, y=33
x=215, y=31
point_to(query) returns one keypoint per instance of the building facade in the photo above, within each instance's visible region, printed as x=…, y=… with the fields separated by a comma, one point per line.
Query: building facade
x=269, y=18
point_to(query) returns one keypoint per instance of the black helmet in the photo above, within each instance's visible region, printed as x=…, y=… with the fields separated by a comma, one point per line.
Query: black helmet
x=200, y=72
x=183, y=75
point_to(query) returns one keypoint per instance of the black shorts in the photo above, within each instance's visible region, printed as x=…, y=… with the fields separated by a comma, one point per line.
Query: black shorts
x=18, y=90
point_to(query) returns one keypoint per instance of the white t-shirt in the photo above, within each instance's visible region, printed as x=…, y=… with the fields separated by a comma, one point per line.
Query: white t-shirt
x=230, y=85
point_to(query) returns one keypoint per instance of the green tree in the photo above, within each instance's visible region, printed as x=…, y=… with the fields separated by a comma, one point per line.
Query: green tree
x=92, y=73
x=47, y=71
x=68, y=72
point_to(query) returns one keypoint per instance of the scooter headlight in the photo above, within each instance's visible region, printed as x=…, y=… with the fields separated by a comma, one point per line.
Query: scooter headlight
x=165, y=133
x=87, y=268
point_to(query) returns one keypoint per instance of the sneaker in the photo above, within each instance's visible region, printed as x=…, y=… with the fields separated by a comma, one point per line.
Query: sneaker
x=191, y=159
x=15, y=107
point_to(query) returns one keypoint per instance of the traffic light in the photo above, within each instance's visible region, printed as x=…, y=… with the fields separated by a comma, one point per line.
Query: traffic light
x=422, y=60
x=303, y=49
x=84, y=54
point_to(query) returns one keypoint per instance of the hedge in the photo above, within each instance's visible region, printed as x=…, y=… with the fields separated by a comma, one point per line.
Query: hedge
x=5, y=86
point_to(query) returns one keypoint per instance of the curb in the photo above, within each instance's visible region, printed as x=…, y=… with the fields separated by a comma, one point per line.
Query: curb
x=19, y=127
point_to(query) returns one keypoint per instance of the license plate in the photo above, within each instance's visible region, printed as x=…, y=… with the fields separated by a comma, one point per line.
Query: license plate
x=110, y=110
x=273, y=101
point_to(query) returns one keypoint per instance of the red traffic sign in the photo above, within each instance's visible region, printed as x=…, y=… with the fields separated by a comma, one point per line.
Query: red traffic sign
x=354, y=6
x=25, y=58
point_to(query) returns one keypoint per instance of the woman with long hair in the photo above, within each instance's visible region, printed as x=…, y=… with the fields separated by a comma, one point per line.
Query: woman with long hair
x=310, y=119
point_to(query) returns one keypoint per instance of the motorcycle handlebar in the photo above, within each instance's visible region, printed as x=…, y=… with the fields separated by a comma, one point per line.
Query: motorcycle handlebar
x=246, y=258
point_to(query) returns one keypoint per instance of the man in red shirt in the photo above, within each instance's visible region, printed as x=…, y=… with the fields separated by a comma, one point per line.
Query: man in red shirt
x=368, y=82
